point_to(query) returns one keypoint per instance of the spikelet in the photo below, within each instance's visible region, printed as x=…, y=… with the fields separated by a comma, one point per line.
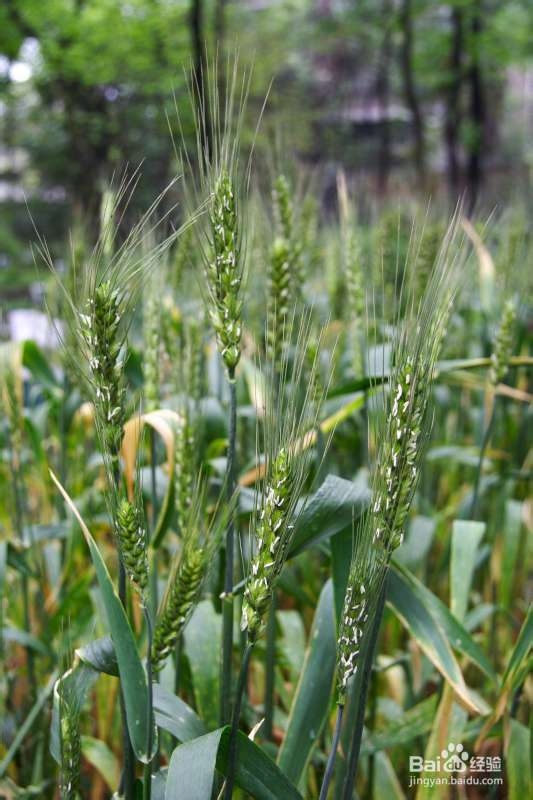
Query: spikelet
x=188, y=574
x=99, y=302
x=131, y=535
x=283, y=208
x=224, y=271
x=407, y=424
x=352, y=280
x=152, y=337
x=184, y=468
x=401, y=432
x=221, y=188
x=183, y=594
x=273, y=534
x=356, y=298
x=503, y=343
x=70, y=740
x=293, y=242
x=279, y=298
x=286, y=421
x=367, y=571
x=397, y=467
x=194, y=360
x=102, y=332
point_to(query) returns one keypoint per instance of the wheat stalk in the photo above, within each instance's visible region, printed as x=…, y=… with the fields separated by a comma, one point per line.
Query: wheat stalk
x=401, y=431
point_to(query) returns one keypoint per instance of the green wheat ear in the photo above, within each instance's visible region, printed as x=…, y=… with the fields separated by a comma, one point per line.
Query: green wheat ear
x=186, y=459
x=69, y=739
x=272, y=537
x=292, y=236
x=286, y=421
x=224, y=271
x=187, y=577
x=132, y=538
x=283, y=208
x=401, y=431
x=102, y=332
x=365, y=579
x=503, y=343
x=152, y=340
x=182, y=597
x=279, y=299
x=221, y=190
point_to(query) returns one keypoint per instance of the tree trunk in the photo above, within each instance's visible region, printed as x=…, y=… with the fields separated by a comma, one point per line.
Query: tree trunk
x=477, y=109
x=453, y=110
x=411, y=97
x=199, y=55
x=382, y=92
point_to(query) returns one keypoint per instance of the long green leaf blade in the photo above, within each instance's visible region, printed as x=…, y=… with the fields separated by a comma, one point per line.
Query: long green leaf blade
x=311, y=702
x=131, y=670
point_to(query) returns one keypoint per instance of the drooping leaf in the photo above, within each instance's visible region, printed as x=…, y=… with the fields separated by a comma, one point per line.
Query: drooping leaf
x=175, y=716
x=192, y=769
x=132, y=674
x=331, y=509
x=413, y=723
x=100, y=655
x=428, y=621
x=255, y=772
x=466, y=537
x=191, y=772
x=515, y=672
x=164, y=422
x=102, y=759
x=25, y=639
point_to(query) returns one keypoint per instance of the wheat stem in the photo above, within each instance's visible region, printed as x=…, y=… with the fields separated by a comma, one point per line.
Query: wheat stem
x=360, y=697
x=232, y=752
x=227, y=607
x=150, y=701
x=270, y=667
x=127, y=778
x=328, y=774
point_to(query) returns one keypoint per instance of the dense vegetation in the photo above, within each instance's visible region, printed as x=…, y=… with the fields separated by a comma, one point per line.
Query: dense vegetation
x=265, y=440
x=275, y=433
